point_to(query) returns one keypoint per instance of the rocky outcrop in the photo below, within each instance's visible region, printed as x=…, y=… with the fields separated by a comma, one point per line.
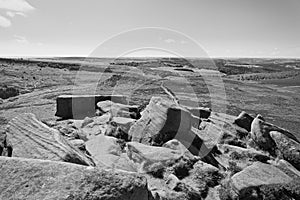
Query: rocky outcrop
x=81, y=106
x=162, y=121
x=244, y=120
x=289, y=148
x=256, y=175
x=39, y=179
x=33, y=139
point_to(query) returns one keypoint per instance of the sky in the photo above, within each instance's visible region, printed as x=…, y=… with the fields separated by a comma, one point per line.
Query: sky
x=215, y=28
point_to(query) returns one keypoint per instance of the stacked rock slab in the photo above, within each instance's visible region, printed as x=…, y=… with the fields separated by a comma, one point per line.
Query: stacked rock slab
x=31, y=138
x=40, y=179
x=163, y=120
x=81, y=106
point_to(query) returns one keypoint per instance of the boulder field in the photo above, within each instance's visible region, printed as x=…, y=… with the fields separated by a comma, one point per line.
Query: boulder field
x=111, y=150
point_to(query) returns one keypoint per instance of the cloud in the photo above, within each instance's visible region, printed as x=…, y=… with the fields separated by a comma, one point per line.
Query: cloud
x=16, y=5
x=13, y=14
x=13, y=8
x=21, y=39
x=4, y=22
x=169, y=40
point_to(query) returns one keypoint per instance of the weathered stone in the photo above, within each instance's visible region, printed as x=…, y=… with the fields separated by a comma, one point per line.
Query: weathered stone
x=289, y=190
x=86, y=121
x=172, y=181
x=91, y=127
x=78, y=143
x=39, y=179
x=91, y=130
x=258, y=174
x=33, y=139
x=236, y=158
x=286, y=167
x=124, y=123
x=161, y=121
x=201, y=177
x=107, y=151
x=81, y=106
x=239, y=153
x=260, y=133
x=176, y=145
x=289, y=148
x=213, y=194
x=149, y=158
x=244, y=120
x=119, y=110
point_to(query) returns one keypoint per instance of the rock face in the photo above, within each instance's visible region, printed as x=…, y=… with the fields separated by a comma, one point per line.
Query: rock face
x=31, y=138
x=289, y=148
x=256, y=175
x=244, y=120
x=38, y=179
x=81, y=106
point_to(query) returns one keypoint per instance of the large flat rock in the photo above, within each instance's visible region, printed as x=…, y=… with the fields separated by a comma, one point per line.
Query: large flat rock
x=81, y=106
x=150, y=158
x=31, y=138
x=106, y=151
x=258, y=174
x=32, y=179
x=289, y=148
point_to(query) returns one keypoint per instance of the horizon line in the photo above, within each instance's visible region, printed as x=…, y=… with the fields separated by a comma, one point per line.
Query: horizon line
x=143, y=57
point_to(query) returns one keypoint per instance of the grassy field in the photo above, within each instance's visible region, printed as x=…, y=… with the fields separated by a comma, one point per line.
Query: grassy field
x=213, y=83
